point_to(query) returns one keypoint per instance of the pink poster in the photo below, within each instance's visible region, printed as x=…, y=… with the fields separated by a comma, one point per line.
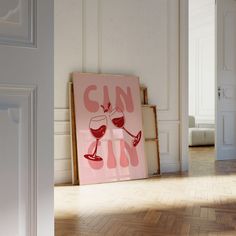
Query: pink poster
x=110, y=141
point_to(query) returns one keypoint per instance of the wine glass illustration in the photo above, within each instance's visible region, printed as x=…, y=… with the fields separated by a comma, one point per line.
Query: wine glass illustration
x=98, y=126
x=118, y=119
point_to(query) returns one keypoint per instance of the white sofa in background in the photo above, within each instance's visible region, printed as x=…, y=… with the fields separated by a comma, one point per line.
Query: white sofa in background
x=200, y=136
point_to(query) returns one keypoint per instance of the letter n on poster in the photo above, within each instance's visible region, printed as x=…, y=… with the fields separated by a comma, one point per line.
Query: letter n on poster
x=109, y=131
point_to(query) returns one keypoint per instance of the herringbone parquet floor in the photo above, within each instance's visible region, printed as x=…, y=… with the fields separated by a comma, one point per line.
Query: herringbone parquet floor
x=200, y=203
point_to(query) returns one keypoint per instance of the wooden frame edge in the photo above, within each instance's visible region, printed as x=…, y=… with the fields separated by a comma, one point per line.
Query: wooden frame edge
x=74, y=156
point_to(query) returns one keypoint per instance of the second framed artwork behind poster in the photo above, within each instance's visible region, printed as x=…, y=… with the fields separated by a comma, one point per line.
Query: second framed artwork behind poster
x=110, y=141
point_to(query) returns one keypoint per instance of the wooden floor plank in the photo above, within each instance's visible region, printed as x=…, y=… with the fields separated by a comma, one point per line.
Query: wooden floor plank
x=202, y=202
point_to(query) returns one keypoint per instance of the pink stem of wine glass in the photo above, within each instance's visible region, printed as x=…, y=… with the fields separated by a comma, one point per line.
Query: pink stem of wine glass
x=95, y=150
x=128, y=132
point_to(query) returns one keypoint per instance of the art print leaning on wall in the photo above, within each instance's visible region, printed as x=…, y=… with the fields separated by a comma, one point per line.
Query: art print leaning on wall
x=110, y=141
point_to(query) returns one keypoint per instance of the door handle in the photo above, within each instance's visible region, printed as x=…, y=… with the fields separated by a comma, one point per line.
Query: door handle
x=219, y=92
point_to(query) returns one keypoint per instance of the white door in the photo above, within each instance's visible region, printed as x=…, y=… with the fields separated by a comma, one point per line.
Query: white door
x=226, y=79
x=26, y=117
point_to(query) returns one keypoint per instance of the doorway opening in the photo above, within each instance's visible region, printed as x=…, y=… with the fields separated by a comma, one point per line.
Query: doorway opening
x=201, y=86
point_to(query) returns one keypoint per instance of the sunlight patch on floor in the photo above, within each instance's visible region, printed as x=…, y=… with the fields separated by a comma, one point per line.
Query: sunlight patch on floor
x=155, y=193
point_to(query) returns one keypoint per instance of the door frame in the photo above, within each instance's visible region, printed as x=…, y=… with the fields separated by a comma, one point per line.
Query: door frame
x=183, y=75
x=184, y=82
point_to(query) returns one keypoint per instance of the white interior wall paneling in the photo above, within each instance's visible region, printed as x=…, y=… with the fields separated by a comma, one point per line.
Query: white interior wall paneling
x=169, y=146
x=62, y=159
x=62, y=147
x=130, y=37
x=137, y=37
x=202, y=60
x=68, y=46
x=62, y=151
x=141, y=38
x=61, y=114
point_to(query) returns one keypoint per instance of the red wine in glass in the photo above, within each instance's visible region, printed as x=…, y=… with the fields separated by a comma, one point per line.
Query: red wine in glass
x=98, y=133
x=98, y=126
x=118, y=119
x=119, y=122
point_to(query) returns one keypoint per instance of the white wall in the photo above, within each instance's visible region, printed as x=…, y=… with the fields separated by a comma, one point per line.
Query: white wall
x=137, y=37
x=202, y=60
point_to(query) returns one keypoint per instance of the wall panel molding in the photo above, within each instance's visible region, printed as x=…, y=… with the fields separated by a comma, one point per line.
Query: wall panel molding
x=61, y=114
x=83, y=36
x=20, y=104
x=97, y=22
x=164, y=137
x=18, y=24
x=61, y=127
x=109, y=41
x=167, y=59
x=169, y=146
x=91, y=25
x=62, y=147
